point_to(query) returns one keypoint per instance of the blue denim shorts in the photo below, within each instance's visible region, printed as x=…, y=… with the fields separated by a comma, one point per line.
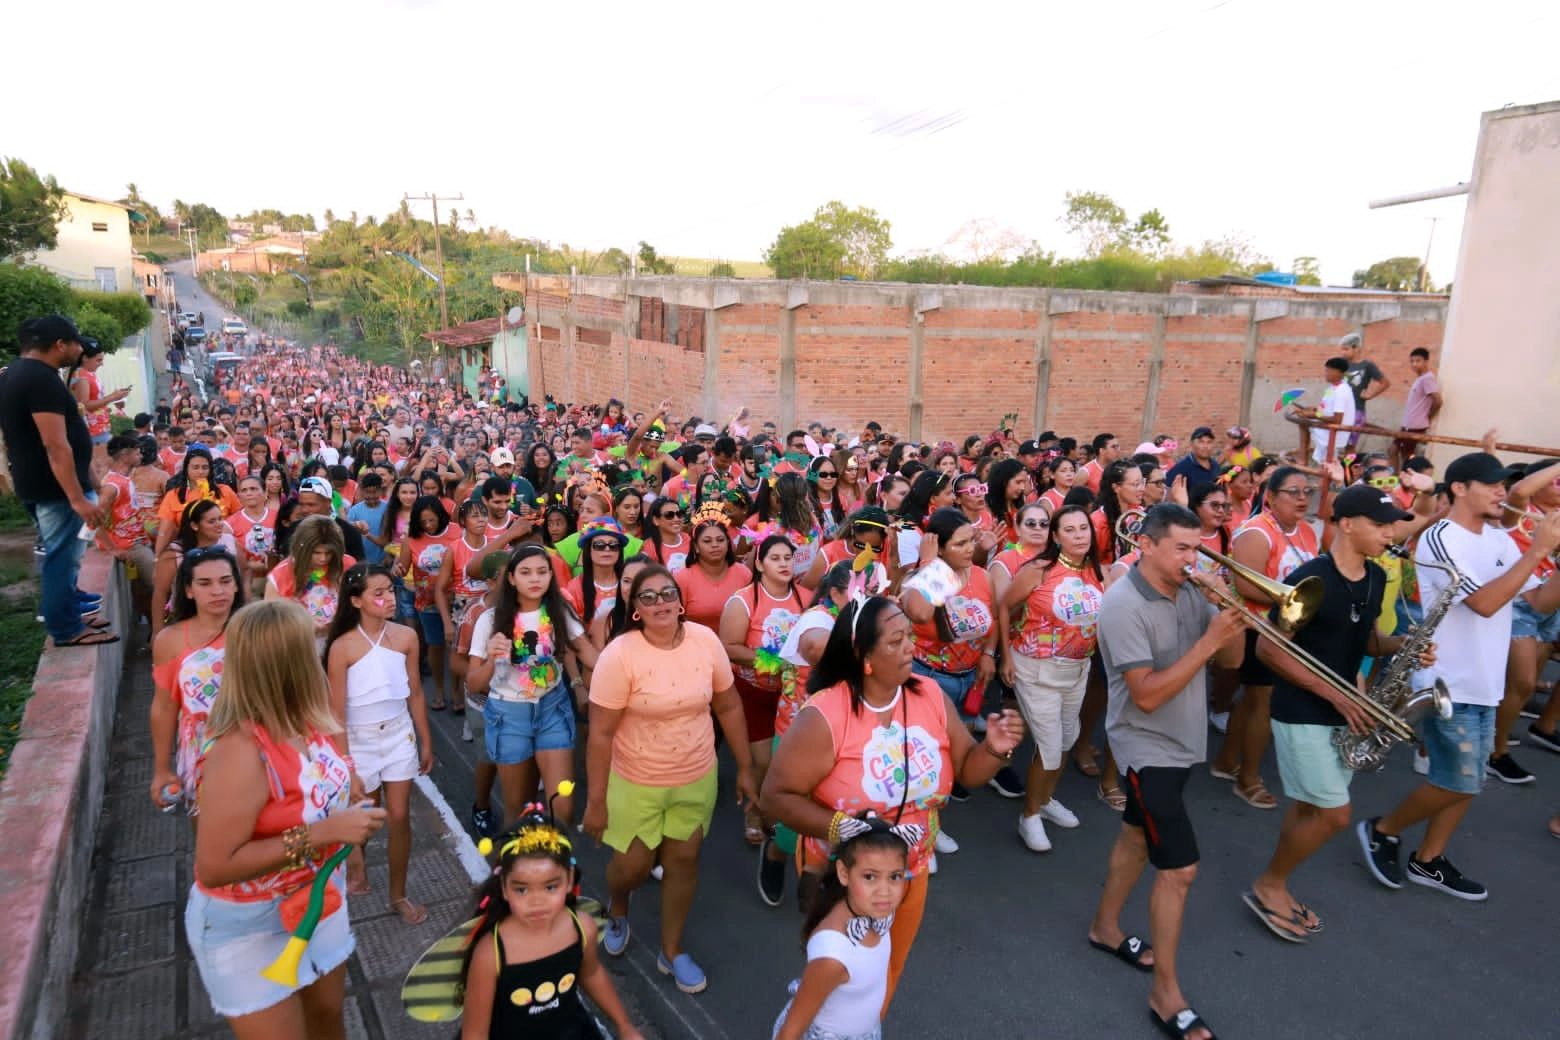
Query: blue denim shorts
x=233, y=942
x=955, y=685
x=1459, y=747
x=1527, y=623
x=432, y=623
x=405, y=602
x=517, y=730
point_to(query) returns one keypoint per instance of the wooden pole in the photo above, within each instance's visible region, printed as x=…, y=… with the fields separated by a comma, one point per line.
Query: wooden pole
x=1430, y=438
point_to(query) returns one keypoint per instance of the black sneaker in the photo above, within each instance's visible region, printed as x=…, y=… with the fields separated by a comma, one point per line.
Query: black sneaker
x=1383, y=853
x=482, y=820
x=771, y=875
x=1439, y=873
x=1007, y=783
x=1504, y=767
x=1533, y=708
x=959, y=793
x=1547, y=741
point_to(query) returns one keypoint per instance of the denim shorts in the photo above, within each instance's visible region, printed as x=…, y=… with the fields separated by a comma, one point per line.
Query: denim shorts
x=432, y=627
x=1527, y=623
x=233, y=942
x=955, y=685
x=1459, y=747
x=517, y=730
x=101, y=438
x=405, y=602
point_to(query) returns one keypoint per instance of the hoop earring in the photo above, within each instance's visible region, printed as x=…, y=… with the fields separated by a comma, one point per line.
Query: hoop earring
x=636, y=615
x=681, y=610
x=867, y=667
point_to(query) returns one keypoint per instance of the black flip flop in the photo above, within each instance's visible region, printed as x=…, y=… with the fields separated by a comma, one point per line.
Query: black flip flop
x=1182, y=1025
x=1301, y=913
x=1269, y=918
x=1130, y=951
x=90, y=637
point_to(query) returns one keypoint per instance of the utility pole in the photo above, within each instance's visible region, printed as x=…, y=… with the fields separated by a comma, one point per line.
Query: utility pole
x=1424, y=268
x=190, y=234
x=438, y=246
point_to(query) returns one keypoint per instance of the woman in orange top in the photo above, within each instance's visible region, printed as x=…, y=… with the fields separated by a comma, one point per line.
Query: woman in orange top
x=1060, y=592
x=654, y=695
x=254, y=531
x=194, y=482
x=873, y=736
x=421, y=557
x=754, y=625
x=311, y=574
x=1063, y=473
x=1274, y=543
x=1008, y=487
x=83, y=382
x=277, y=793
x=713, y=574
x=1241, y=483
x=1121, y=491
x=969, y=497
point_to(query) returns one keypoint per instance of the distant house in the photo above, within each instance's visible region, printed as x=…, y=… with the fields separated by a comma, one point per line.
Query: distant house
x=93, y=250
x=272, y=255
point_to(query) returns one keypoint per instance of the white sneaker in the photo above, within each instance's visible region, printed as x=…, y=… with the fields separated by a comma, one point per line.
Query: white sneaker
x=1219, y=720
x=1421, y=764
x=945, y=843
x=1059, y=814
x=656, y=872
x=931, y=864
x=465, y=729
x=1032, y=830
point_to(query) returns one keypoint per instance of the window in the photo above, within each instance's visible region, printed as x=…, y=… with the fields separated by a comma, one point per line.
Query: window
x=107, y=278
x=98, y=225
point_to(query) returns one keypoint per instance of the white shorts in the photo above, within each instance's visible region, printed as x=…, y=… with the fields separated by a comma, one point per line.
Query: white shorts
x=1050, y=695
x=384, y=751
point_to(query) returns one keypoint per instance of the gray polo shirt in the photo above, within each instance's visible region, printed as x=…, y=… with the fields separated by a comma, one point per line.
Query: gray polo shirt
x=1141, y=628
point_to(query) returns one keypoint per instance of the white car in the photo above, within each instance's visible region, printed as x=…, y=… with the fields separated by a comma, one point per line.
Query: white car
x=234, y=327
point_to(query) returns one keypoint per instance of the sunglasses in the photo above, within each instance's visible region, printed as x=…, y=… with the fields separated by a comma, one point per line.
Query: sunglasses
x=1220, y=507
x=210, y=552
x=650, y=597
x=974, y=490
x=604, y=545
x=827, y=474
x=672, y=514
x=1386, y=483
x=860, y=546
x=1035, y=524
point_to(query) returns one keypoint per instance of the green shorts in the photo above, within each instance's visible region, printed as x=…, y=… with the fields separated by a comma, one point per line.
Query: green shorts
x=653, y=813
x=1309, y=764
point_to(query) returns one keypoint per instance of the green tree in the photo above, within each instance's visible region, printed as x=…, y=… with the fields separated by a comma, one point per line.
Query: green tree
x=723, y=270
x=27, y=292
x=1307, y=270
x=1096, y=219
x=1400, y=274
x=838, y=240
x=31, y=208
x=651, y=263
x=1150, y=235
x=97, y=325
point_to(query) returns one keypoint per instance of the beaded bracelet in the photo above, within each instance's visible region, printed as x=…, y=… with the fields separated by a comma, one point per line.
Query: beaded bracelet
x=834, y=828
x=295, y=843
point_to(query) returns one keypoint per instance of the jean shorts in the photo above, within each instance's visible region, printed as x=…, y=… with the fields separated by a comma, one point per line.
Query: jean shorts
x=432, y=623
x=955, y=685
x=1459, y=747
x=1527, y=623
x=405, y=602
x=233, y=942
x=517, y=730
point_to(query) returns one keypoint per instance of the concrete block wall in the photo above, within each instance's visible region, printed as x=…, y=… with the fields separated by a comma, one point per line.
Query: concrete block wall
x=940, y=362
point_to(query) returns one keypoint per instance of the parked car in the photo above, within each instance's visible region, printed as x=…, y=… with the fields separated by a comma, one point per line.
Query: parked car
x=194, y=334
x=234, y=327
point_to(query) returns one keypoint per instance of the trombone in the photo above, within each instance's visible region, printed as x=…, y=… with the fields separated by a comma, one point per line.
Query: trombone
x=1296, y=604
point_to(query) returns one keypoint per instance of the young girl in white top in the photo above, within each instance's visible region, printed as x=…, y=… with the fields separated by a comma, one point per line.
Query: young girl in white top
x=376, y=694
x=840, y=994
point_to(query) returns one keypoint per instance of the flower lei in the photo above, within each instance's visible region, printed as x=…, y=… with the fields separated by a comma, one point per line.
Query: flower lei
x=542, y=667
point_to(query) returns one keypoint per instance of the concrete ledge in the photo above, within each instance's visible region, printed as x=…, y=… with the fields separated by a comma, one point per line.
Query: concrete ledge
x=49, y=805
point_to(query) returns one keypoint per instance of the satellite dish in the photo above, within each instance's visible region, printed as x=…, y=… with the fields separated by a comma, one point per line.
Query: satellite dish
x=515, y=315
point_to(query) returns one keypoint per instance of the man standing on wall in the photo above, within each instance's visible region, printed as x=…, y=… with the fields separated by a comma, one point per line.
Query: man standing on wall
x=1421, y=408
x=1364, y=377
x=50, y=453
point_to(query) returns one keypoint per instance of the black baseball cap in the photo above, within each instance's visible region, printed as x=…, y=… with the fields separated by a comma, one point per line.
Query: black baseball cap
x=1029, y=448
x=1478, y=467
x=1202, y=431
x=1372, y=503
x=47, y=330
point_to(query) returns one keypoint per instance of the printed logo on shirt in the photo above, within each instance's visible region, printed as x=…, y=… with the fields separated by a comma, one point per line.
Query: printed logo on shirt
x=1076, y=603
x=969, y=618
x=883, y=765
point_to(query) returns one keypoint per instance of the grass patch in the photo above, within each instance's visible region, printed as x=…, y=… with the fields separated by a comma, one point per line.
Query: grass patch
x=700, y=268
x=21, y=643
x=13, y=517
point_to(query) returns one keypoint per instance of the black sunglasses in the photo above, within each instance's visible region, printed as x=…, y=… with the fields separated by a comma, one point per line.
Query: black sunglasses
x=650, y=597
x=672, y=514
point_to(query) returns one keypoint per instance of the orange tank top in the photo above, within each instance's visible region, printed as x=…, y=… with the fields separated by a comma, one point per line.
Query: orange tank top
x=769, y=622
x=1286, y=549
x=970, y=612
x=1061, y=615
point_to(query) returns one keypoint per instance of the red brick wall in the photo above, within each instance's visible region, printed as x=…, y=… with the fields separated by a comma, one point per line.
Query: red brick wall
x=978, y=362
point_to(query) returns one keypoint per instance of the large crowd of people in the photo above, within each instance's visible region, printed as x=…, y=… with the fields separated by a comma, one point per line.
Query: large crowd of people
x=326, y=551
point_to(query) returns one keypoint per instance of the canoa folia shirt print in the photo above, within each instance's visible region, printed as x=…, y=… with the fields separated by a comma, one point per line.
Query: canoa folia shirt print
x=883, y=766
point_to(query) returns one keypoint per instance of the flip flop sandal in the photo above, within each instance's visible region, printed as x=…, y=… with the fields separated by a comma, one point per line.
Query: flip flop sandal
x=1087, y=767
x=1223, y=774
x=1301, y=913
x=1115, y=798
x=91, y=637
x=1130, y=951
x=1183, y=1025
x=1257, y=796
x=1270, y=918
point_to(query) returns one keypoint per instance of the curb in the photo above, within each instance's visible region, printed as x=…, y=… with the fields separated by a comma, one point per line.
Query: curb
x=50, y=801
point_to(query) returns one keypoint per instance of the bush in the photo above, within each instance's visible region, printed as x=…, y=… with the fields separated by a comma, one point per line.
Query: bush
x=723, y=270
x=131, y=312
x=298, y=308
x=27, y=292
x=98, y=325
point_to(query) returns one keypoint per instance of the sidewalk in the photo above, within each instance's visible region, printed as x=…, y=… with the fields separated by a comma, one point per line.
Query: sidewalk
x=135, y=978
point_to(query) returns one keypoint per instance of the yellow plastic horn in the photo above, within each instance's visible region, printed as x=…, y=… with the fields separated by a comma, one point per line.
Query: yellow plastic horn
x=565, y=788
x=284, y=970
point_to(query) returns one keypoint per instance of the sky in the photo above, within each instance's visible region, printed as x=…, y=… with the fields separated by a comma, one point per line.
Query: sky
x=705, y=128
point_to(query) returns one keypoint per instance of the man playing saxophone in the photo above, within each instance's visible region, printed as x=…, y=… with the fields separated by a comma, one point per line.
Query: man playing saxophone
x=1307, y=710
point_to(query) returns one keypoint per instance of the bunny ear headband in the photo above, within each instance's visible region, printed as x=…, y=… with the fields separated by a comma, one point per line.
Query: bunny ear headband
x=912, y=834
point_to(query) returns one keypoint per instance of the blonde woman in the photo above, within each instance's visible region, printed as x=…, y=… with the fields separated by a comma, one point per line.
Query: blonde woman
x=311, y=574
x=278, y=790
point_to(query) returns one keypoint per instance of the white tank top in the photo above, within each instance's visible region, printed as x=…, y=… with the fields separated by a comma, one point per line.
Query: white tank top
x=377, y=687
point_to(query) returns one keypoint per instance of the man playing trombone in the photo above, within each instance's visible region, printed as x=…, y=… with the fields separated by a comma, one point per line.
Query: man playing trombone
x=1157, y=635
x=1309, y=705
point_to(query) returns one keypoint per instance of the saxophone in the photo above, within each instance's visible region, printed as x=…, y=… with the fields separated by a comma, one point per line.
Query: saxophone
x=1392, y=688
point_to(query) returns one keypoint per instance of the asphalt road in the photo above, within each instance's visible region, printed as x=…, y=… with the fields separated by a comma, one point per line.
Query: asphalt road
x=1003, y=953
